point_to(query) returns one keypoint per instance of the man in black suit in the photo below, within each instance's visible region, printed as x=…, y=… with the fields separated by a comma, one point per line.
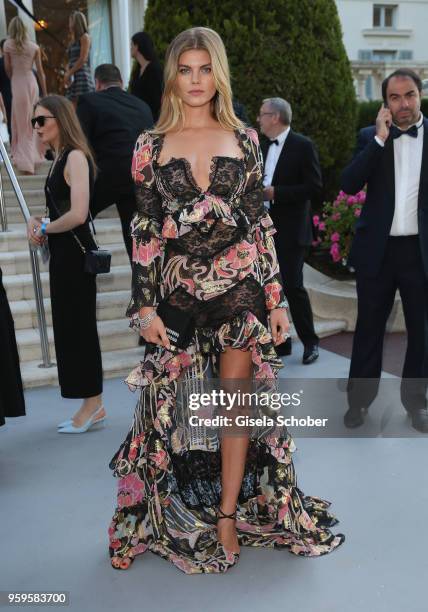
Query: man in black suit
x=5, y=90
x=112, y=120
x=292, y=177
x=390, y=248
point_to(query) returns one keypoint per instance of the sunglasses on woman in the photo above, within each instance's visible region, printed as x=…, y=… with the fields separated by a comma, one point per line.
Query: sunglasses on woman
x=40, y=120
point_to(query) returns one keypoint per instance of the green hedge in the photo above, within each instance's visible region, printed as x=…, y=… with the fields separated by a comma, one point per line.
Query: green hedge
x=279, y=48
x=367, y=112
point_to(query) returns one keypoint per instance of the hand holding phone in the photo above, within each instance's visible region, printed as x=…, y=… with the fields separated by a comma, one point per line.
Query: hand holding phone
x=383, y=122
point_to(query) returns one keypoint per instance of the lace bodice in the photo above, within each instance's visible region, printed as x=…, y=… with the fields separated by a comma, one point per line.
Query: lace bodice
x=203, y=240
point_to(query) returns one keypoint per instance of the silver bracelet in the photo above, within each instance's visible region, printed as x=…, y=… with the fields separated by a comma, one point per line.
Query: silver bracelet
x=146, y=321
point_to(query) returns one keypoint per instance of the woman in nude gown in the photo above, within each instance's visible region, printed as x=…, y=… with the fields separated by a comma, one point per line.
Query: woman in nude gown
x=20, y=54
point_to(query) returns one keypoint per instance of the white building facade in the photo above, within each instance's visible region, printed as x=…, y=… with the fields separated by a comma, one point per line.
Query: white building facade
x=380, y=37
x=111, y=25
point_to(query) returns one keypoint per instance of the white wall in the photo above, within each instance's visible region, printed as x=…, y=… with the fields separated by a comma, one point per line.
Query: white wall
x=137, y=9
x=357, y=15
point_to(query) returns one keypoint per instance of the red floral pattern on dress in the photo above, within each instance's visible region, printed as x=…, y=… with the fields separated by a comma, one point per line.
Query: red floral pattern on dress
x=156, y=510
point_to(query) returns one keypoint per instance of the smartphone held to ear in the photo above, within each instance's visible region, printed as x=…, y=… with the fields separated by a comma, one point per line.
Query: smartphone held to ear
x=388, y=121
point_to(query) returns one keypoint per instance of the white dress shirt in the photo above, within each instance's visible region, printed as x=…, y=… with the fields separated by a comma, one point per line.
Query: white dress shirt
x=407, y=172
x=272, y=159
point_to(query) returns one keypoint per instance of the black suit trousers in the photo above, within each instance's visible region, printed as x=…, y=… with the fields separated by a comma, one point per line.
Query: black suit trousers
x=291, y=262
x=401, y=269
x=106, y=194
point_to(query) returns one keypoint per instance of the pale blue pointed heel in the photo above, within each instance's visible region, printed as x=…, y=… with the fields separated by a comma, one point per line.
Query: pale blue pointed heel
x=68, y=427
x=65, y=423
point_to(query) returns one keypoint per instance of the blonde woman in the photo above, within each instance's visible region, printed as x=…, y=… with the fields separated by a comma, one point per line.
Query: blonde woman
x=203, y=250
x=20, y=55
x=78, y=78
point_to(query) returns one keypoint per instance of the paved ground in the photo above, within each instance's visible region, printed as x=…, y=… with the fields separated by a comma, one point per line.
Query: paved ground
x=57, y=498
x=393, y=354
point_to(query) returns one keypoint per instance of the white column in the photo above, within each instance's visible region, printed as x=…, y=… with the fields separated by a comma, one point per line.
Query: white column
x=27, y=20
x=121, y=37
x=136, y=16
x=361, y=86
x=3, y=26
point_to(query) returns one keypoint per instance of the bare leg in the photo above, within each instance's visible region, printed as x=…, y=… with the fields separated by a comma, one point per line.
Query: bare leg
x=90, y=406
x=234, y=364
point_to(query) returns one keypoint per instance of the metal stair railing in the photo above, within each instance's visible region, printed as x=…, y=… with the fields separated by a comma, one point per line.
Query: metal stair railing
x=35, y=268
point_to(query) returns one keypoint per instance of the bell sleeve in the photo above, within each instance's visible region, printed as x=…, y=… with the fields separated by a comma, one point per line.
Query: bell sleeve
x=262, y=228
x=146, y=232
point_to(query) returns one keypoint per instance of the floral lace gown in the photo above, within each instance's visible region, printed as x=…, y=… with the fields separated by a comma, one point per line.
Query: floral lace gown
x=212, y=253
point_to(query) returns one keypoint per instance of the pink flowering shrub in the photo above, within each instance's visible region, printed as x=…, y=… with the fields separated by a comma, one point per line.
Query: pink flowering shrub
x=336, y=225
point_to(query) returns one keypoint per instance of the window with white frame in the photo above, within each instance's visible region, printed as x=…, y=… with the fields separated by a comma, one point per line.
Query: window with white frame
x=365, y=55
x=405, y=55
x=384, y=15
x=383, y=55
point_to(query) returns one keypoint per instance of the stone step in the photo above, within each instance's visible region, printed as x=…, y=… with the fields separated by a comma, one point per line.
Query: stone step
x=35, y=181
x=109, y=231
x=32, y=197
x=114, y=335
x=20, y=287
x=18, y=262
x=110, y=305
x=15, y=216
x=115, y=364
x=120, y=362
x=333, y=299
x=41, y=169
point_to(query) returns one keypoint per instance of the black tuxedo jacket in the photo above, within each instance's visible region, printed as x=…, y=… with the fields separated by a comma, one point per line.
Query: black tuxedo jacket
x=374, y=165
x=5, y=87
x=297, y=180
x=112, y=120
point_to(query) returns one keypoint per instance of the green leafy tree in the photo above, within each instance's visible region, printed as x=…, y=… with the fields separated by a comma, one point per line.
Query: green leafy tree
x=287, y=48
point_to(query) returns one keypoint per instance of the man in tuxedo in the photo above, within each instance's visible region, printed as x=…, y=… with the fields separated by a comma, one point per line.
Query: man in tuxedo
x=292, y=177
x=5, y=90
x=390, y=248
x=112, y=120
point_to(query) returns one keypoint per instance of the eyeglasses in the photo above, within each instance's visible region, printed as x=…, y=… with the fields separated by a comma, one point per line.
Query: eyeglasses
x=40, y=120
x=263, y=114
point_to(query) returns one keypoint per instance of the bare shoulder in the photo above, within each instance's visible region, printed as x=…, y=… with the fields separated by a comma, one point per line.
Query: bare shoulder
x=77, y=161
x=77, y=156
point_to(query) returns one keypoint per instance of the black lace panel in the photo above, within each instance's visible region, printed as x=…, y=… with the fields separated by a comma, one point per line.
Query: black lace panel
x=225, y=177
x=246, y=295
x=206, y=240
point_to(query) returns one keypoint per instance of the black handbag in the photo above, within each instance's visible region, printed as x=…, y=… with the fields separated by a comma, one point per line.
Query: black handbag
x=179, y=325
x=97, y=261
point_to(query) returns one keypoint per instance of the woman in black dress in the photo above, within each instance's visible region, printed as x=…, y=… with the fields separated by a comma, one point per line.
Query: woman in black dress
x=146, y=79
x=12, y=402
x=73, y=291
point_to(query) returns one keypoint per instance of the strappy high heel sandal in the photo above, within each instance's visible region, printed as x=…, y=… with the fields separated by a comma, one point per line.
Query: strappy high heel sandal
x=123, y=563
x=221, y=515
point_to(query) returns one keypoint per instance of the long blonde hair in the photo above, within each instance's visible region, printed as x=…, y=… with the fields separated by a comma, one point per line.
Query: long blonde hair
x=171, y=114
x=71, y=135
x=17, y=32
x=80, y=25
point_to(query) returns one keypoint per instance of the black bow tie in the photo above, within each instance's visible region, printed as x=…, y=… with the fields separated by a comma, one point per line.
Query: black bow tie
x=271, y=142
x=396, y=132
